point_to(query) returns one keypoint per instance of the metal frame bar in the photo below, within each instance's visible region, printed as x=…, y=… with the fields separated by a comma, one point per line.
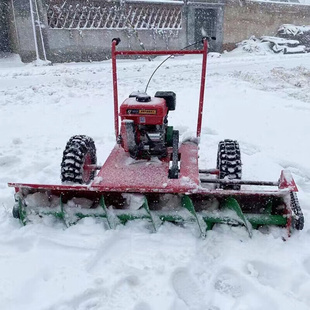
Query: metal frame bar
x=115, y=53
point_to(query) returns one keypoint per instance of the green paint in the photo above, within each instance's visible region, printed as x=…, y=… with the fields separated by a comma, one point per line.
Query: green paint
x=147, y=209
x=169, y=134
x=105, y=210
x=205, y=220
x=22, y=212
x=232, y=204
x=188, y=204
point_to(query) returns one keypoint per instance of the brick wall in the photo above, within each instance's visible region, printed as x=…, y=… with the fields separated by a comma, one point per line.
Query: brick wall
x=245, y=18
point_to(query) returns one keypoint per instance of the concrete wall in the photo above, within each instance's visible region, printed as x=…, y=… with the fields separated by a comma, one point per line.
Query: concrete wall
x=21, y=32
x=63, y=44
x=245, y=18
x=83, y=45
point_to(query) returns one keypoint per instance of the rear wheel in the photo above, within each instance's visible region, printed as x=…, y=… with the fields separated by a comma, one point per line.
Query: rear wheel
x=229, y=162
x=79, y=153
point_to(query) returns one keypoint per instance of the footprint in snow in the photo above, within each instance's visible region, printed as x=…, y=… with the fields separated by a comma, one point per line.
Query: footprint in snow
x=142, y=306
x=228, y=283
x=188, y=289
x=124, y=294
x=266, y=274
x=8, y=161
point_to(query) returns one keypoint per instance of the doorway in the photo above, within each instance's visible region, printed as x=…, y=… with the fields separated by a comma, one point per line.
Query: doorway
x=205, y=25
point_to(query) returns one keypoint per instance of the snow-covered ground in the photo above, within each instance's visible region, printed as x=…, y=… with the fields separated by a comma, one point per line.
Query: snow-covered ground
x=262, y=101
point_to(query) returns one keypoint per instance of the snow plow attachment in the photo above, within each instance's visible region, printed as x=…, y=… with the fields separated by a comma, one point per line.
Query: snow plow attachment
x=150, y=176
x=199, y=206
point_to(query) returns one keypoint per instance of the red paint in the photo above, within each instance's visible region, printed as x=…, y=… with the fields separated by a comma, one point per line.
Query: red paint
x=287, y=182
x=124, y=174
x=202, y=86
x=115, y=92
x=156, y=104
x=166, y=52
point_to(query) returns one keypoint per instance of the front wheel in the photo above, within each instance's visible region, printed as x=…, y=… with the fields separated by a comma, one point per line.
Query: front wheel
x=79, y=154
x=229, y=163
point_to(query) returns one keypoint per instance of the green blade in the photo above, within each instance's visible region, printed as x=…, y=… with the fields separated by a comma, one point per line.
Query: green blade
x=232, y=204
x=105, y=210
x=188, y=204
x=147, y=209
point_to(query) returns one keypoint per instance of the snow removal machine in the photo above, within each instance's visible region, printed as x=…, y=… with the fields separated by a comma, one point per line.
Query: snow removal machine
x=150, y=175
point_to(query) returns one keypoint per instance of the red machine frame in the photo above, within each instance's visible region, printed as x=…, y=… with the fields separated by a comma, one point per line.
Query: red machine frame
x=203, y=51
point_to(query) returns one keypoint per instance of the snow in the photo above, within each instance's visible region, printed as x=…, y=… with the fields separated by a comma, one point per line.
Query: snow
x=288, y=2
x=267, y=44
x=263, y=101
x=279, y=41
x=293, y=30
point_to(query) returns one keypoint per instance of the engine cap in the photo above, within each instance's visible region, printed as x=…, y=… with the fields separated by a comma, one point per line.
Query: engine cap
x=143, y=98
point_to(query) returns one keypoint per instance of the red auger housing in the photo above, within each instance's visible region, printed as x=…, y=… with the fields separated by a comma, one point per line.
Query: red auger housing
x=144, y=123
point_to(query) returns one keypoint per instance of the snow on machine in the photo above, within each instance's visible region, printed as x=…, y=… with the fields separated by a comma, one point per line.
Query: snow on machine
x=149, y=175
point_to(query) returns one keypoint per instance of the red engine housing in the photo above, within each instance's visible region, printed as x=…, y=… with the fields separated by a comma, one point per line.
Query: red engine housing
x=152, y=112
x=143, y=126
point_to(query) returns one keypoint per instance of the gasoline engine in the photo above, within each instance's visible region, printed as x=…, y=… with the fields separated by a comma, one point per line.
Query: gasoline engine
x=144, y=127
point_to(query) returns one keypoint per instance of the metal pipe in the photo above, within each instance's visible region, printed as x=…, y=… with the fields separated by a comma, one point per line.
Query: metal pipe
x=209, y=171
x=40, y=30
x=115, y=92
x=202, y=85
x=34, y=30
x=168, y=52
x=238, y=182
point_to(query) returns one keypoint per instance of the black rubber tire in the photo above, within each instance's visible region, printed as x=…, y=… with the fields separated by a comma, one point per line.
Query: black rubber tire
x=79, y=149
x=15, y=212
x=298, y=222
x=229, y=162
